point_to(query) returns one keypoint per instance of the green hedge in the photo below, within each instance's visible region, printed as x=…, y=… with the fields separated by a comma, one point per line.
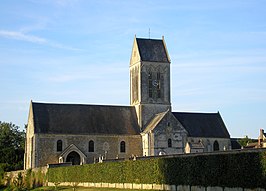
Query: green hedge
x=247, y=170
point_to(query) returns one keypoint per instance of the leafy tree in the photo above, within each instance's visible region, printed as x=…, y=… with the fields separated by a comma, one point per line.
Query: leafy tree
x=12, y=142
x=244, y=141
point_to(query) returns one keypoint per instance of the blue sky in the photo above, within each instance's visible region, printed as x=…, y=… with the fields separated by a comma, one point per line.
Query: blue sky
x=78, y=51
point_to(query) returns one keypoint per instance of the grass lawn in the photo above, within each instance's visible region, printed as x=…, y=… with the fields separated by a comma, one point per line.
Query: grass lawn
x=83, y=189
x=51, y=188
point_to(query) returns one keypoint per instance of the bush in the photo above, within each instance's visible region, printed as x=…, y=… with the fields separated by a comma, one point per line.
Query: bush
x=247, y=170
x=3, y=168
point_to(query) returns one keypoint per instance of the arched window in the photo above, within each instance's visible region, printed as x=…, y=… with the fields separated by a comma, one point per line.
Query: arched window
x=59, y=145
x=169, y=142
x=91, y=146
x=150, y=84
x=216, y=146
x=158, y=85
x=122, y=147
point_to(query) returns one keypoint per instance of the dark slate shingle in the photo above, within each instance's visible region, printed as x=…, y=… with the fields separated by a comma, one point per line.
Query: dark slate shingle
x=84, y=119
x=235, y=143
x=152, y=50
x=203, y=124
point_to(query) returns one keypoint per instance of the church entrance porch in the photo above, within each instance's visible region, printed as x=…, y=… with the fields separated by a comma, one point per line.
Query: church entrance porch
x=72, y=154
x=74, y=158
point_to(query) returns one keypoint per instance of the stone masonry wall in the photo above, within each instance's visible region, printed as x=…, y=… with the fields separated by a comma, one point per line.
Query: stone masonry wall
x=106, y=146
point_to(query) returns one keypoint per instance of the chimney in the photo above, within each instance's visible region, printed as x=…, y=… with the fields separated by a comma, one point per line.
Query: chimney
x=261, y=133
x=260, y=139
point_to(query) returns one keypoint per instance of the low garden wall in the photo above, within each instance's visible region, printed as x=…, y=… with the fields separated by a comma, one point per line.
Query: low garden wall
x=28, y=179
x=152, y=186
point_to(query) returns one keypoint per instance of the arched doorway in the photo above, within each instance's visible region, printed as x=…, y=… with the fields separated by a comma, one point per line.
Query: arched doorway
x=74, y=158
x=216, y=146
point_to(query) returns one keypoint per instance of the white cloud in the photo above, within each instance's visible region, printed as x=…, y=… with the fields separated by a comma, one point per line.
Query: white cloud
x=17, y=35
x=22, y=36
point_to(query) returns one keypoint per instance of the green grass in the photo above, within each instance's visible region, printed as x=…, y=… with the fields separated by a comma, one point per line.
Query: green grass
x=83, y=189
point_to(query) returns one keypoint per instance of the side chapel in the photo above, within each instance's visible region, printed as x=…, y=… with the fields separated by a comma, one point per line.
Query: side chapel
x=81, y=133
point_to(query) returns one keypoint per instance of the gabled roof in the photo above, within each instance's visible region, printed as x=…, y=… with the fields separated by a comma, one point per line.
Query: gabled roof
x=197, y=145
x=155, y=121
x=84, y=119
x=203, y=124
x=70, y=148
x=152, y=50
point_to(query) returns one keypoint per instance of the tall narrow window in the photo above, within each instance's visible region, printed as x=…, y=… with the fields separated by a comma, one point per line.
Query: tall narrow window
x=169, y=142
x=91, y=146
x=122, y=147
x=158, y=85
x=150, y=84
x=59, y=145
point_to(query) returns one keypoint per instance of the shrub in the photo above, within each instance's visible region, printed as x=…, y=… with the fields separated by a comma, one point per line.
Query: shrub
x=247, y=170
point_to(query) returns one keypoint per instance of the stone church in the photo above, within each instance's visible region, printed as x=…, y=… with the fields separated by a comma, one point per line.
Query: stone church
x=81, y=133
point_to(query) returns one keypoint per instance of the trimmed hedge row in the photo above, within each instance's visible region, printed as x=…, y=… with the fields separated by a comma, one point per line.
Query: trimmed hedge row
x=246, y=170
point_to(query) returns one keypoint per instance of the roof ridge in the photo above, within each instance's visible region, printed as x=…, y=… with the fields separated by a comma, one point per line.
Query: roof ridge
x=188, y=112
x=80, y=104
x=148, y=39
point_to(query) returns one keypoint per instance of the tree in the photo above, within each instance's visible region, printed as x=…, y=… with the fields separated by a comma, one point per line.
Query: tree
x=12, y=142
x=244, y=141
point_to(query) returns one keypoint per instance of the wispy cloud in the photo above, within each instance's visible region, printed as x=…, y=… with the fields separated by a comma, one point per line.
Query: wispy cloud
x=61, y=3
x=17, y=35
x=22, y=36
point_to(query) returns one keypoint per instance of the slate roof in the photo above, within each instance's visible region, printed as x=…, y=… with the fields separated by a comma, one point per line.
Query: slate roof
x=235, y=144
x=198, y=145
x=152, y=50
x=84, y=119
x=203, y=124
x=155, y=121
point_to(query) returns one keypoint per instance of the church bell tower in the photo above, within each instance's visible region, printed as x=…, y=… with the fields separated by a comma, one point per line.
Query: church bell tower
x=149, y=78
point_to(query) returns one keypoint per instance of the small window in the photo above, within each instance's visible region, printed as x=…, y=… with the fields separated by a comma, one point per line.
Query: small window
x=59, y=145
x=122, y=147
x=91, y=146
x=169, y=142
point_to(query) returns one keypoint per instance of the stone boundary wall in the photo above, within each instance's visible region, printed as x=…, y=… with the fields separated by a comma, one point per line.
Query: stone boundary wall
x=10, y=176
x=153, y=186
x=23, y=172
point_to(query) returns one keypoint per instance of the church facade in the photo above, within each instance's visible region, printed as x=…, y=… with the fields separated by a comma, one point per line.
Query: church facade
x=82, y=133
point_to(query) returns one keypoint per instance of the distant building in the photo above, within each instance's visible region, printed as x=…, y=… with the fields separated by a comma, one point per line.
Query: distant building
x=82, y=133
x=260, y=143
x=262, y=139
